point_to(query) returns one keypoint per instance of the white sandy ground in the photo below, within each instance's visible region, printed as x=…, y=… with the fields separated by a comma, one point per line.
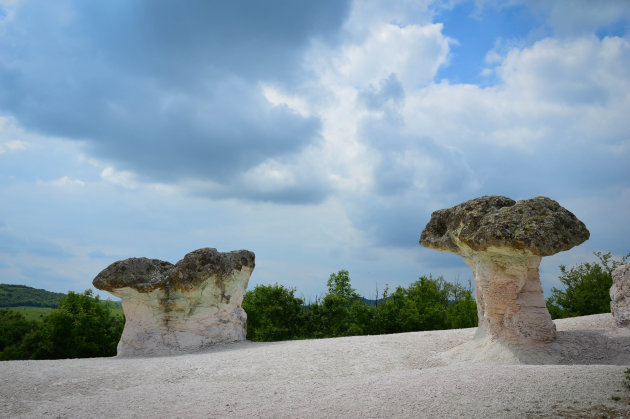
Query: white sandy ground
x=402, y=375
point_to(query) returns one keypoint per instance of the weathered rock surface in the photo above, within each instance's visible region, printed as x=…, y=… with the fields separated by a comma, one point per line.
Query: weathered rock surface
x=620, y=296
x=503, y=242
x=185, y=307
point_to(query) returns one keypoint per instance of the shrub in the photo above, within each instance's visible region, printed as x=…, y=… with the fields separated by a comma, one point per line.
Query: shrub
x=273, y=313
x=587, y=288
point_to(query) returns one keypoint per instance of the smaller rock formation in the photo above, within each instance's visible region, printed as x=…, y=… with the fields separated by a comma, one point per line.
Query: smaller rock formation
x=620, y=296
x=185, y=307
x=503, y=242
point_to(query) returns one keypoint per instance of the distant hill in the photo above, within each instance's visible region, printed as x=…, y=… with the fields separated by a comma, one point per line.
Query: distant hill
x=21, y=295
x=369, y=302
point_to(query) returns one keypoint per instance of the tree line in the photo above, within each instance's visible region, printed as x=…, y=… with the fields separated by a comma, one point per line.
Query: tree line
x=275, y=313
x=84, y=326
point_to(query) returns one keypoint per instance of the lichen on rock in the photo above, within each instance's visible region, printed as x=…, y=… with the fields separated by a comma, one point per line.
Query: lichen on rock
x=539, y=226
x=185, y=307
x=503, y=242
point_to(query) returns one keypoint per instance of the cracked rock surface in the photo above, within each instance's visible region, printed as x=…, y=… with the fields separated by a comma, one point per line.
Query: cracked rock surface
x=185, y=307
x=503, y=242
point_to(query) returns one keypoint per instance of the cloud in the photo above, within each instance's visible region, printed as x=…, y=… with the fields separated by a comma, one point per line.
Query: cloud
x=553, y=124
x=320, y=138
x=388, y=90
x=122, y=178
x=8, y=146
x=581, y=17
x=11, y=136
x=64, y=182
x=413, y=53
x=13, y=244
x=165, y=91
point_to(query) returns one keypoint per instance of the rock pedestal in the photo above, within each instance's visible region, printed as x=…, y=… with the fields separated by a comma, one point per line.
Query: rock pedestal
x=620, y=296
x=185, y=307
x=503, y=242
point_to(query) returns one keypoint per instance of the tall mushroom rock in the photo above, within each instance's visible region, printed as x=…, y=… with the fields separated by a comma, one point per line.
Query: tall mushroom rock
x=503, y=242
x=184, y=307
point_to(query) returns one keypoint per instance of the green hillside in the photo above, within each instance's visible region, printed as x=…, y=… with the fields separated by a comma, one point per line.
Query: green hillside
x=31, y=313
x=21, y=295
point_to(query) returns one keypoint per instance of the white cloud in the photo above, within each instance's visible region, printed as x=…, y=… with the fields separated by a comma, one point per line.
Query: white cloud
x=12, y=136
x=16, y=145
x=293, y=102
x=414, y=53
x=577, y=71
x=65, y=182
x=554, y=91
x=122, y=178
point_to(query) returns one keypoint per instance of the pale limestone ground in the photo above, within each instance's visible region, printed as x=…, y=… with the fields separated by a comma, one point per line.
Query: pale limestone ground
x=368, y=376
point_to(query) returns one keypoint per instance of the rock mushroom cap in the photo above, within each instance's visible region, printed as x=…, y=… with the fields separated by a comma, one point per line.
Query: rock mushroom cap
x=539, y=226
x=146, y=275
x=142, y=274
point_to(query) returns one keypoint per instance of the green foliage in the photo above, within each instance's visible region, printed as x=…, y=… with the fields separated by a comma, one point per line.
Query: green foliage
x=340, y=307
x=32, y=313
x=427, y=304
x=13, y=327
x=626, y=380
x=587, y=288
x=21, y=295
x=273, y=313
x=82, y=326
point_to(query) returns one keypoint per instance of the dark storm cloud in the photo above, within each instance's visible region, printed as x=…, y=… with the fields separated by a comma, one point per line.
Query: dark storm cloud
x=169, y=90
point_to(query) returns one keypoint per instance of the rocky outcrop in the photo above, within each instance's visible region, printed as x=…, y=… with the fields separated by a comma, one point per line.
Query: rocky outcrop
x=185, y=307
x=620, y=296
x=503, y=242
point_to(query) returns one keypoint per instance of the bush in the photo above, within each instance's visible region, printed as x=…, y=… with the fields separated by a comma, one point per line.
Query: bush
x=273, y=313
x=13, y=328
x=587, y=288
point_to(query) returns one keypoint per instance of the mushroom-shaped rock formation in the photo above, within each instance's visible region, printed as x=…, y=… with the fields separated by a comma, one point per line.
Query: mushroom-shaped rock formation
x=620, y=296
x=184, y=307
x=503, y=242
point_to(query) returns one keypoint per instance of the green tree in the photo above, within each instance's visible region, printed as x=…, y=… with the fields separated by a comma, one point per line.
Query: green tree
x=82, y=326
x=339, y=307
x=273, y=313
x=587, y=288
x=427, y=304
x=13, y=328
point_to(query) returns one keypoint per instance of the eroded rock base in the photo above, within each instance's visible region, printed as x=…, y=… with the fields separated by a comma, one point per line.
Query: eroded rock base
x=582, y=340
x=510, y=302
x=182, y=322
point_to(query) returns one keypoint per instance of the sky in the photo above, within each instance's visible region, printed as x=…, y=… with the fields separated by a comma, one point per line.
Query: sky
x=319, y=135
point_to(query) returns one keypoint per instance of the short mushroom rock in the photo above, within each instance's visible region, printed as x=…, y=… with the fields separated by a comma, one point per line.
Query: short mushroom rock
x=185, y=307
x=503, y=242
x=620, y=296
